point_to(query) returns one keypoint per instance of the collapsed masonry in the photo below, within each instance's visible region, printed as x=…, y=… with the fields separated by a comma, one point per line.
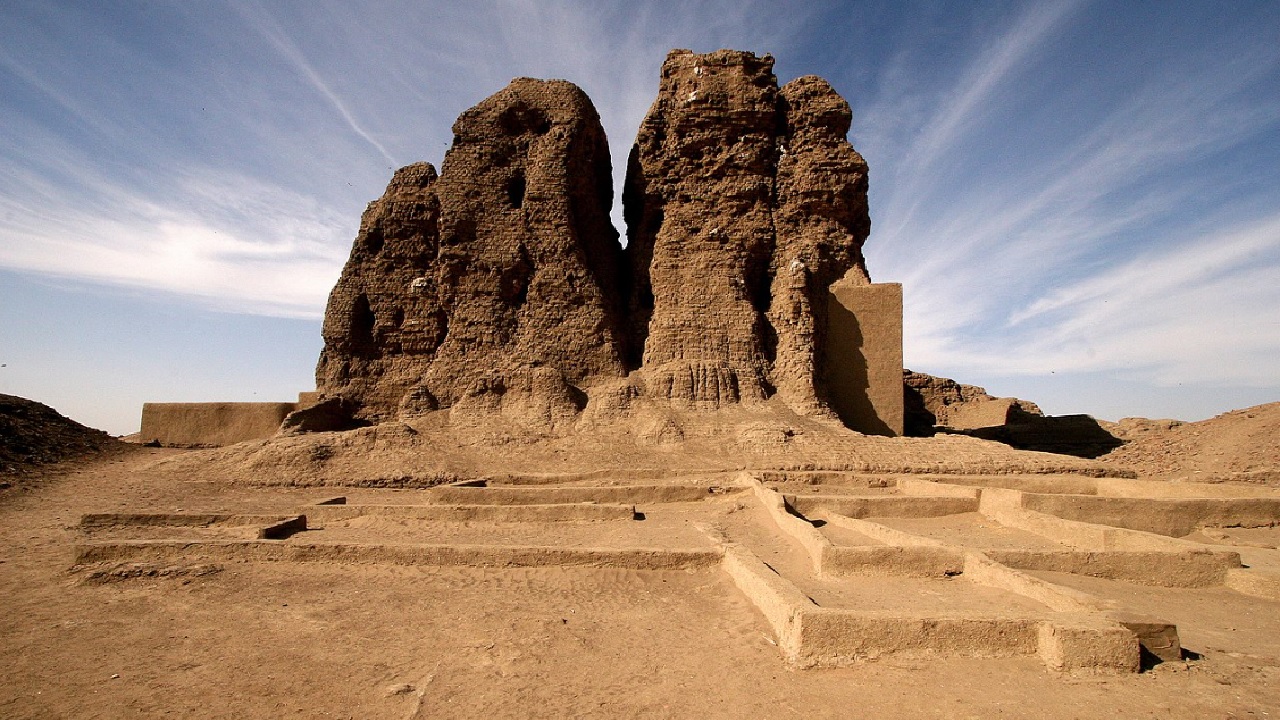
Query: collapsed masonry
x=935, y=404
x=499, y=284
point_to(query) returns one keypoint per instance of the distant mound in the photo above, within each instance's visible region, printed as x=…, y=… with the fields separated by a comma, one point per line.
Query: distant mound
x=33, y=434
x=1242, y=445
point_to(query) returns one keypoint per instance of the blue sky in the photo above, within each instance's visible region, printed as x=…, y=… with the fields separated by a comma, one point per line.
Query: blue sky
x=1082, y=199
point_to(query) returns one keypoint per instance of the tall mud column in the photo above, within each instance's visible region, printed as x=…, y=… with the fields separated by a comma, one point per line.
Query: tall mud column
x=499, y=287
x=822, y=222
x=495, y=283
x=699, y=205
x=743, y=204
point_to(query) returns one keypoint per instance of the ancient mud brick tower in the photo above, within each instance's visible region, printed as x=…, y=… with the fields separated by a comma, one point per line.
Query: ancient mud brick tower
x=501, y=272
x=503, y=282
x=744, y=203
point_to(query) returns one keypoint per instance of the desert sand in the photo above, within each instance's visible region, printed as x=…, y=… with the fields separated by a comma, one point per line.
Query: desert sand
x=198, y=631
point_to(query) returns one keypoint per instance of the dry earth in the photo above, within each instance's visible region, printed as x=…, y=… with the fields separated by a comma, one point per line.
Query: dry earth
x=33, y=435
x=1239, y=445
x=194, y=637
x=653, y=441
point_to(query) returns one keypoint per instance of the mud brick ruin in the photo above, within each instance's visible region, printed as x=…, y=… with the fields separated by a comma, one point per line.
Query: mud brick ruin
x=500, y=282
x=515, y=388
x=499, y=288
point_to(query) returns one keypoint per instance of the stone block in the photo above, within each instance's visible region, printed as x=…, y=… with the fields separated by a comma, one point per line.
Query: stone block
x=863, y=364
x=308, y=398
x=1088, y=644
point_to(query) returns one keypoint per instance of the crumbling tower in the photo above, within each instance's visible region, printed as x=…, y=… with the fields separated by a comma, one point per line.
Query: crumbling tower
x=500, y=285
x=744, y=203
x=501, y=273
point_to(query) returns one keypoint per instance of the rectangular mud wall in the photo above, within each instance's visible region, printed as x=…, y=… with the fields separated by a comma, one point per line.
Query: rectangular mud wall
x=980, y=414
x=863, y=363
x=206, y=424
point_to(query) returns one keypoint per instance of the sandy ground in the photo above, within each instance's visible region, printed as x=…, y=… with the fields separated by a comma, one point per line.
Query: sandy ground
x=1240, y=445
x=316, y=640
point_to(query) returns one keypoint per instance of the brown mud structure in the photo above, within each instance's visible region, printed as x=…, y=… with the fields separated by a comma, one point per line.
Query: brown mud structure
x=500, y=288
x=577, y=481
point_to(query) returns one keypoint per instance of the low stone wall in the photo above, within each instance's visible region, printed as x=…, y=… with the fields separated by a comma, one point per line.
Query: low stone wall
x=1165, y=516
x=891, y=506
x=812, y=636
x=486, y=556
x=211, y=424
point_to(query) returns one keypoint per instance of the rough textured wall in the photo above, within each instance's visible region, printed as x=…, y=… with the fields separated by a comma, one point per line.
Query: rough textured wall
x=211, y=424
x=499, y=275
x=821, y=221
x=384, y=318
x=743, y=204
x=500, y=286
x=942, y=402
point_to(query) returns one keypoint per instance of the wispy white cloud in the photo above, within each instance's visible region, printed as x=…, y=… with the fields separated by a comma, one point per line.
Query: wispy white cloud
x=1093, y=250
x=963, y=105
x=1204, y=311
x=231, y=243
x=1157, y=275
x=261, y=20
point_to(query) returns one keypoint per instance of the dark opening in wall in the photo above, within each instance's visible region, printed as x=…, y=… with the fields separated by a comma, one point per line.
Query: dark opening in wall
x=520, y=119
x=759, y=291
x=516, y=279
x=515, y=190
x=656, y=218
x=362, y=324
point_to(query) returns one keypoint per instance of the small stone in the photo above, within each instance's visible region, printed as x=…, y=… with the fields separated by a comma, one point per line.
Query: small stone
x=401, y=689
